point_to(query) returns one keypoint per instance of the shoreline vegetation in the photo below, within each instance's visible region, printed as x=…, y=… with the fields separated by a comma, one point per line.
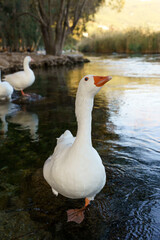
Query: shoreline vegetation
x=13, y=61
x=132, y=41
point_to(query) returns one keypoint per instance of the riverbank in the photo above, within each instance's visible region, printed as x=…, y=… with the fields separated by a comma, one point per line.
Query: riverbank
x=10, y=62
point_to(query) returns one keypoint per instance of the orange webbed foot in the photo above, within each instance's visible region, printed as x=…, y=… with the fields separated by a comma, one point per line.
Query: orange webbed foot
x=77, y=215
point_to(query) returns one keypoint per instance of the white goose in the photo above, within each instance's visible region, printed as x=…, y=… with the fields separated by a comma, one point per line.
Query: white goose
x=6, y=90
x=75, y=169
x=22, y=79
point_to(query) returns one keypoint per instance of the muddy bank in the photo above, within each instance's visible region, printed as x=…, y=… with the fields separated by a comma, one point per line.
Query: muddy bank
x=10, y=62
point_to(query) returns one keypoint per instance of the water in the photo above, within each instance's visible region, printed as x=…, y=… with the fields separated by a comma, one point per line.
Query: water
x=126, y=133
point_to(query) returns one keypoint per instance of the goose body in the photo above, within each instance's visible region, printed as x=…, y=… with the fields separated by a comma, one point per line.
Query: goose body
x=22, y=79
x=75, y=169
x=6, y=90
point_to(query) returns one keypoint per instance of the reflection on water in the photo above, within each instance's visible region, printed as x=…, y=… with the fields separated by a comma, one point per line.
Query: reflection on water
x=26, y=120
x=125, y=132
x=6, y=108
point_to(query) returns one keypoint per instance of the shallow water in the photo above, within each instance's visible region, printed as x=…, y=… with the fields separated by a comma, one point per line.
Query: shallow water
x=125, y=132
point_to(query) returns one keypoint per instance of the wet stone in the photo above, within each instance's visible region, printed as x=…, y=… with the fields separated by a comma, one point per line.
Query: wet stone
x=31, y=98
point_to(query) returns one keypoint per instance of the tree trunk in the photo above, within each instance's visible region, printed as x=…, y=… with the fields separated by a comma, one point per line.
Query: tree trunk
x=59, y=43
x=60, y=36
x=53, y=46
x=47, y=35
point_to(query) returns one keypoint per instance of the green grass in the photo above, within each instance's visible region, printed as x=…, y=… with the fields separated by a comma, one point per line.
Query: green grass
x=131, y=41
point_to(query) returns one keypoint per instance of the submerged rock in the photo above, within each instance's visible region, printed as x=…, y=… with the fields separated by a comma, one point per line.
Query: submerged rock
x=15, y=220
x=31, y=98
x=18, y=225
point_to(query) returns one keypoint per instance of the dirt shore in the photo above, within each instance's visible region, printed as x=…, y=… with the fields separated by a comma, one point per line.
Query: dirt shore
x=10, y=62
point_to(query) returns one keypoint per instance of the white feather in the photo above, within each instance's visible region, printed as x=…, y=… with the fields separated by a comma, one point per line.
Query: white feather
x=22, y=79
x=6, y=90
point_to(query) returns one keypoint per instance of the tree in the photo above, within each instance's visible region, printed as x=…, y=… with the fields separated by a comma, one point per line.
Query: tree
x=58, y=19
x=14, y=34
x=116, y=4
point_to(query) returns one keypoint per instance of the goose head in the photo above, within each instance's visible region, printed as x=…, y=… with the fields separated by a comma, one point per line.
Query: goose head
x=28, y=59
x=90, y=85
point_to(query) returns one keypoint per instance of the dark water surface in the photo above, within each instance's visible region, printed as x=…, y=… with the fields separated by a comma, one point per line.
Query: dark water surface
x=125, y=132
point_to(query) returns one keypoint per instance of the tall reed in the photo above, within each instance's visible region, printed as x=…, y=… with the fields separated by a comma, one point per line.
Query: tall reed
x=131, y=41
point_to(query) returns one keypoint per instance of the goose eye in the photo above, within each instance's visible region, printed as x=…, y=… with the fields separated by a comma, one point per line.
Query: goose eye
x=86, y=79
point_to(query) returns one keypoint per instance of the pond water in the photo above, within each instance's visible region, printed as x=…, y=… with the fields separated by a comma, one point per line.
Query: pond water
x=125, y=132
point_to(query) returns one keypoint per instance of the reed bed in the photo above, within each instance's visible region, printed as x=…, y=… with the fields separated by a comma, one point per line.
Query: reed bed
x=131, y=41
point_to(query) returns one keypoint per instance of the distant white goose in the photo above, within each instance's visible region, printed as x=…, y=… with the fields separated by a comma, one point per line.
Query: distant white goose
x=22, y=79
x=75, y=169
x=6, y=90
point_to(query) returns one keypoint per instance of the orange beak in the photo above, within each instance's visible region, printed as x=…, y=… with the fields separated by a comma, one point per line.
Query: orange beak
x=32, y=60
x=100, y=81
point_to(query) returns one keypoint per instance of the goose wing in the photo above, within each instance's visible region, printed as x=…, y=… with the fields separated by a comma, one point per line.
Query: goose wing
x=16, y=79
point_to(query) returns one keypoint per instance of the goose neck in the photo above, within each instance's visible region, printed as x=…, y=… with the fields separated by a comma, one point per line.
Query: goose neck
x=84, y=106
x=26, y=66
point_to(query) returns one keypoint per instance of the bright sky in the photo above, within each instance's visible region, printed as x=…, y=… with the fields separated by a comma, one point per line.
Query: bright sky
x=136, y=13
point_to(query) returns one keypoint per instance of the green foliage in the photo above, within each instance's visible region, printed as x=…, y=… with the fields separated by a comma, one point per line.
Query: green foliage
x=132, y=41
x=70, y=43
x=17, y=33
x=22, y=23
x=116, y=4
